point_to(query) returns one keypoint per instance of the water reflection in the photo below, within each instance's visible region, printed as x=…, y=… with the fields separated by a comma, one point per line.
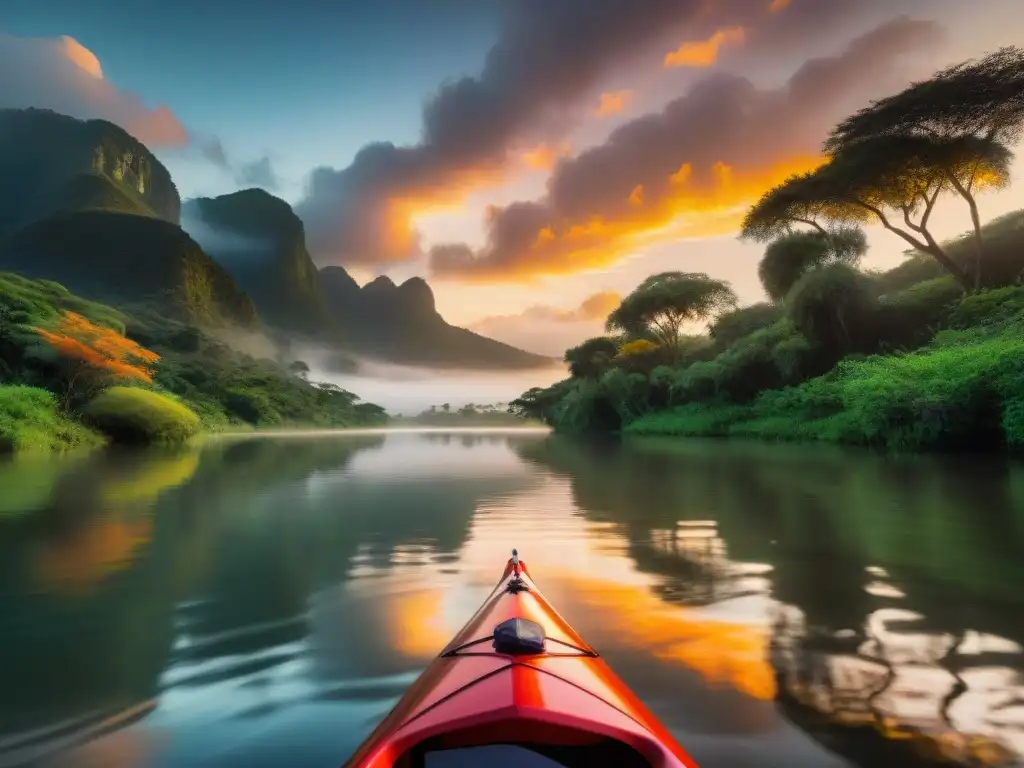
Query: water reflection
x=265, y=601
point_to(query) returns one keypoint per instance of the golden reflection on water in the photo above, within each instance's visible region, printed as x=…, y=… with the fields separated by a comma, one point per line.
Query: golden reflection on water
x=415, y=553
x=78, y=562
x=724, y=653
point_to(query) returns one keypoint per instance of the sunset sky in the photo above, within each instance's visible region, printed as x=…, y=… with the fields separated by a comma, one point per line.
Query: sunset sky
x=531, y=158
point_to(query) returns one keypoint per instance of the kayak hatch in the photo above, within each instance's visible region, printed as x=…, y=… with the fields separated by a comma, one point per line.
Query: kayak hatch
x=518, y=687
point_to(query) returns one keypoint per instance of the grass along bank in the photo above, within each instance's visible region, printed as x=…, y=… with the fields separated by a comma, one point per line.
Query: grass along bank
x=76, y=373
x=964, y=390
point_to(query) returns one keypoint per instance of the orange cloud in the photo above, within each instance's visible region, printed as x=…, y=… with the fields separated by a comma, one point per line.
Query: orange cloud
x=612, y=103
x=544, y=156
x=82, y=57
x=63, y=75
x=688, y=171
x=599, y=306
x=688, y=210
x=777, y=5
x=704, y=53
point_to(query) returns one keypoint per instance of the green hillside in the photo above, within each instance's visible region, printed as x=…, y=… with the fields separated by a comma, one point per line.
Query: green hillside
x=223, y=387
x=129, y=260
x=54, y=162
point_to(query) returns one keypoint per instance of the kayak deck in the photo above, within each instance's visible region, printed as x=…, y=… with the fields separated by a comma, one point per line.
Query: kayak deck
x=517, y=686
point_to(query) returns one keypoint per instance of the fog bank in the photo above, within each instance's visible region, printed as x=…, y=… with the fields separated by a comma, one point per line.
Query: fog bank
x=408, y=390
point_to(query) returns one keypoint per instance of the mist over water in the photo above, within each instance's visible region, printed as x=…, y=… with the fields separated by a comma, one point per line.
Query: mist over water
x=408, y=390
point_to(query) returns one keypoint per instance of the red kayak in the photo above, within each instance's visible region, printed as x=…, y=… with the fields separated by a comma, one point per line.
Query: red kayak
x=517, y=687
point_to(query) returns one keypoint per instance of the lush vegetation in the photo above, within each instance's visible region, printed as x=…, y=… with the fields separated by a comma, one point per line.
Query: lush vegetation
x=65, y=362
x=925, y=356
x=134, y=415
x=129, y=259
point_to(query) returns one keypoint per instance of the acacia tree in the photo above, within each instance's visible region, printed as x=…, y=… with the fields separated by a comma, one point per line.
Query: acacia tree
x=791, y=255
x=890, y=176
x=976, y=108
x=93, y=355
x=794, y=201
x=663, y=302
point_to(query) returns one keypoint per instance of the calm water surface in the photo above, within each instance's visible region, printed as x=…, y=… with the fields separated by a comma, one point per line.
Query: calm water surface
x=265, y=601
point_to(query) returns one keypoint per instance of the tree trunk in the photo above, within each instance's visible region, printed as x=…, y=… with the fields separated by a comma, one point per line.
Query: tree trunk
x=979, y=244
x=931, y=247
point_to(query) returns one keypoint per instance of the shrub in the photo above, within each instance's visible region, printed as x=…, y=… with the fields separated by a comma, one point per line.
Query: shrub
x=830, y=306
x=31, y=420
x=910, y=318
x=989, y=308
x=733, y=326
x=132, y=415
x=252, y=406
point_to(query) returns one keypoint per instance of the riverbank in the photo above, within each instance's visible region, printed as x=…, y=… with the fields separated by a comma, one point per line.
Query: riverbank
x=933, y=370
x=964, y=390
x=79, y=374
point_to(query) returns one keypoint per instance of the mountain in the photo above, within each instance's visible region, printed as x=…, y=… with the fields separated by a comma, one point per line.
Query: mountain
x=52, y=162
x=260, y=241
x=399, y=323
x=129, y=260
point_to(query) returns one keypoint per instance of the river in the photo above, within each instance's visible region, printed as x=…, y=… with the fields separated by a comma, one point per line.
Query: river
x=264, y=601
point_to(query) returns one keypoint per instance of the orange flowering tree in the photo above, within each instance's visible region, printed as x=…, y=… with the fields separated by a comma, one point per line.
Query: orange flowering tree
x=94, y=355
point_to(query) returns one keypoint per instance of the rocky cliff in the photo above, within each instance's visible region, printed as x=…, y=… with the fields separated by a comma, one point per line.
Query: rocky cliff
x=400, y=323
x=52, y=162
x=260, y=241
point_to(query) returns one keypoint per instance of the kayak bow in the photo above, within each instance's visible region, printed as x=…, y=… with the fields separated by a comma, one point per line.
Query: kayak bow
x=518, y=687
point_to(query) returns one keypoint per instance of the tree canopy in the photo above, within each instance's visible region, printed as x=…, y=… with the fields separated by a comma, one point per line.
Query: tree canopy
x=591, y=358
x=663, y=302
x=790, y=256
x=963, y=119
x=980, y=98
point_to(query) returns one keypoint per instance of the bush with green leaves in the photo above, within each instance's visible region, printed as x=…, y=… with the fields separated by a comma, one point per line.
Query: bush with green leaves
x=732, y=326
x=139, y=416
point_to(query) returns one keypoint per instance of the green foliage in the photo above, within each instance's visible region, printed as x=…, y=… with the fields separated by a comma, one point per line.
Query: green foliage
x=963, y=391
x=30, y=420
x=252, y=406
x=791, y=255
x=830, y=306
x=909, y=318
x=732, y=326
x=36, y=302
x=224, y=387
x=129, y=259
x=994, y=309
x=663, y=302
x=134, y=415
x=592, y=357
